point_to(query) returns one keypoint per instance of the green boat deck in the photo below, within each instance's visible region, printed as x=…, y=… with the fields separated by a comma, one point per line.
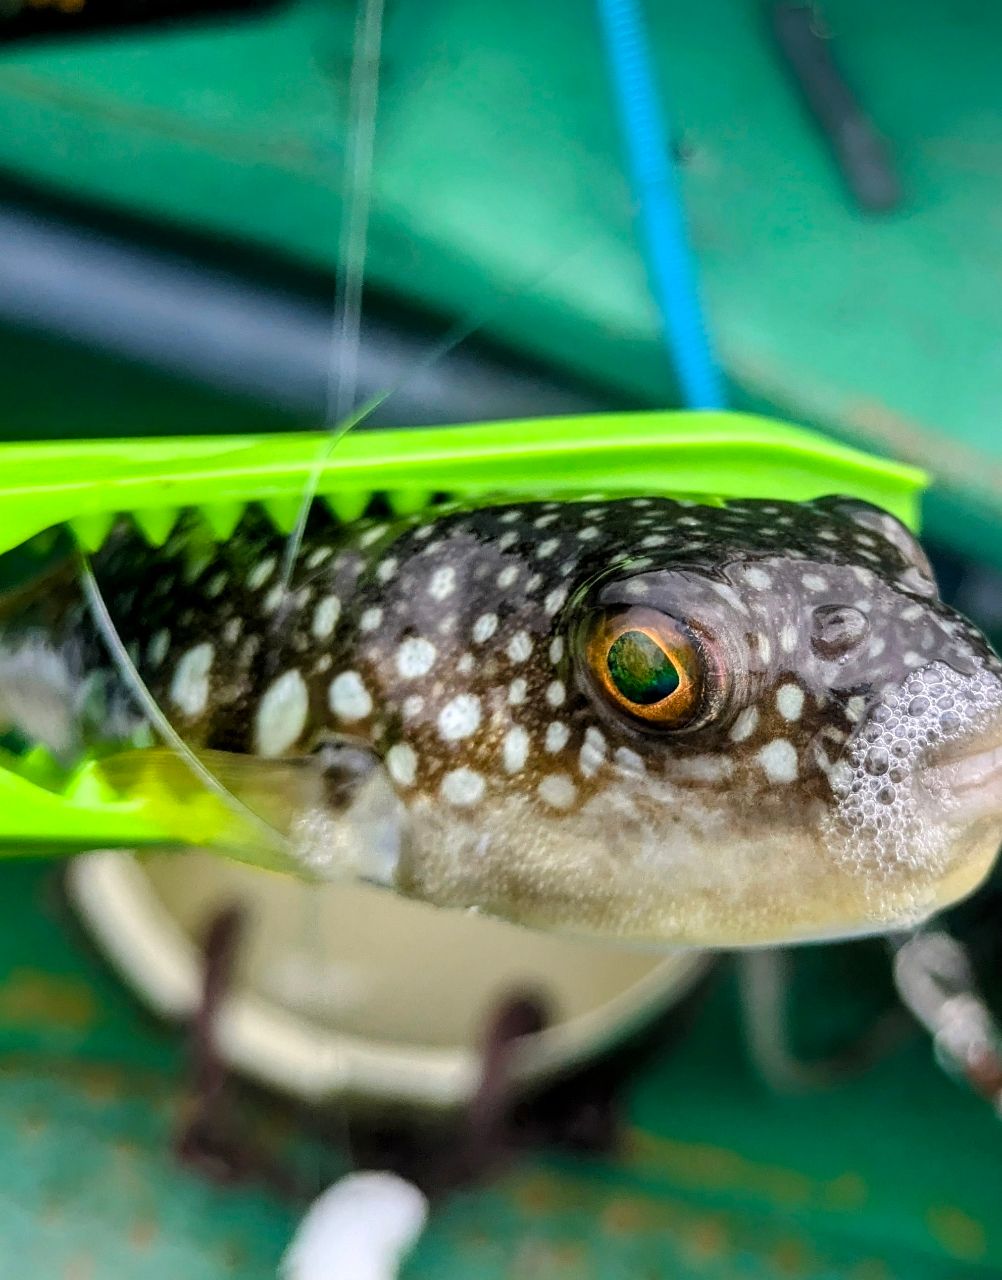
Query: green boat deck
x=893, y=1176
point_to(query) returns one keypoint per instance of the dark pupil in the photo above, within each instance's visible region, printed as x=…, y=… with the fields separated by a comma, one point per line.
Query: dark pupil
x=640, y=669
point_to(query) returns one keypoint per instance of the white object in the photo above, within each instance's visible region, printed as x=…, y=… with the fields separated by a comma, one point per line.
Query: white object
x=347, y=991
x=361, y=1228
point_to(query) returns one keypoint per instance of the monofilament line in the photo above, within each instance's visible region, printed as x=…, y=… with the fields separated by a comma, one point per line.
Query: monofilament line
x=129, y=672
x=342, y=371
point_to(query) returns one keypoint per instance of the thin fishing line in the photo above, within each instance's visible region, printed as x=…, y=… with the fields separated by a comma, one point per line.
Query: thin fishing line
x=363, y=105
x=454, y=337
x=342, y=370
x=120, y=655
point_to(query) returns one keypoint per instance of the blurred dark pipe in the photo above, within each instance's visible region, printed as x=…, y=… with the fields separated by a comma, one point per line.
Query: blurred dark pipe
x=859, y=151
x=238, y=336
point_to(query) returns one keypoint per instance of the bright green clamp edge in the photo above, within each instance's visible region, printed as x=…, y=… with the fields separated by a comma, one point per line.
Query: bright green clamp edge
x=712, y=456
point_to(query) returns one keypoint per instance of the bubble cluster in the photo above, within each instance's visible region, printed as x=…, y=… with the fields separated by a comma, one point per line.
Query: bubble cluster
x=890, y=824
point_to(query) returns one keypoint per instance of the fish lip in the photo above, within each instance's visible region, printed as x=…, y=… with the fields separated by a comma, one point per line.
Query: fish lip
x=973, y=746
x=966, y=777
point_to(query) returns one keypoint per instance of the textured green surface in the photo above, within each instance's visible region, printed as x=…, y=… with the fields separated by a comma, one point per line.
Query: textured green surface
x=499, y=193
x=893, y=1177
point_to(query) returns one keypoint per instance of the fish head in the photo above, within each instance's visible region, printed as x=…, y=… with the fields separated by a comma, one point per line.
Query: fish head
x=739, y=725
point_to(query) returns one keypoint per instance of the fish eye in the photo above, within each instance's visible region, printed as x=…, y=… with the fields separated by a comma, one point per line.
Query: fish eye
x=647, y=665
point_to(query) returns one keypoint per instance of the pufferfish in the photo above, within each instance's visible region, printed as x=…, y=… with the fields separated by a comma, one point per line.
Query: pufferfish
x=631, y=718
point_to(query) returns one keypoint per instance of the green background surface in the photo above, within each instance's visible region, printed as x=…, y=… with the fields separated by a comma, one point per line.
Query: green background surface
x=891, y=1177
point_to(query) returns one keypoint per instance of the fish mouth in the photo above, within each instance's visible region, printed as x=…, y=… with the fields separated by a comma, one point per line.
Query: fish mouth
x=965, y=778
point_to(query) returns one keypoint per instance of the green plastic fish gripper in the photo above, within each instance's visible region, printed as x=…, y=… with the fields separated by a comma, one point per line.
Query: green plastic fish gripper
x=706, y=456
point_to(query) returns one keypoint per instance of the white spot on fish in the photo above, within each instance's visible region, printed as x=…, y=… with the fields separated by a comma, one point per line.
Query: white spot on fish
x=214, y=587
x=557, y=734
x=814, y=582
x=629, y=761
x=484, y=627
x=744, y=726
x=555, y=693
x=547, y=548
x=459, y=718
x=372, y=535
x=727, y=592
x=790, y=701
x=515, y=749
x=387, y=569
x=507, y=577
x=555, y=599
x=788, y=638
x=370, y=619
x=778, y=760
x=281, y=714
x=348, y=697
x=556, y=649
x=189, y=690
x=517, y=691
x=401, y=760
x=854, y=708
x=325, y=617
x=443, y=583
x=592, y=753
x=261, y=572
x=557, y=790
x=316, y=558
x=158, y=647
x=758, y=578
x=415, y=657
x=413, y=706
x=462, y=787
x=706, y=768
x=520, y=646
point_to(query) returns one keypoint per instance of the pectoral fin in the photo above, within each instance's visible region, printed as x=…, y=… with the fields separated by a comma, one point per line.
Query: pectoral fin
x=332, y=814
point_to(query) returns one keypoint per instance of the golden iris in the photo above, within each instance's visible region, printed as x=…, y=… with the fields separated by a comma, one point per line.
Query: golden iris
x=647, y=664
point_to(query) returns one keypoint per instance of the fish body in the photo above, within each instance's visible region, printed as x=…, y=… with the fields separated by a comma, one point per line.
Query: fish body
x=635, y=718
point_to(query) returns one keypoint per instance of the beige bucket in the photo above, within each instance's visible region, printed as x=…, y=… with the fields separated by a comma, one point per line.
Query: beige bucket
x=351, y=992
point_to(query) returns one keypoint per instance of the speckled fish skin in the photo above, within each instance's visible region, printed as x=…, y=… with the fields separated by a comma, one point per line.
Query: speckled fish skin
x=840, y=778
